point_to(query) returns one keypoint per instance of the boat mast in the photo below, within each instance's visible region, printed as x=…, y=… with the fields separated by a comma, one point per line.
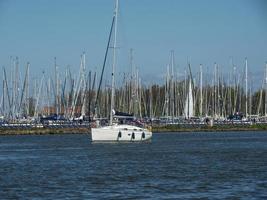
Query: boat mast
x=246, y=79
x=56, y=86
x=250, y=98
x=201, y=97
x=265, y=110
x=3, y=100
x=172, y=107
x=114, y=63
x=215, y=90
x=131, y=105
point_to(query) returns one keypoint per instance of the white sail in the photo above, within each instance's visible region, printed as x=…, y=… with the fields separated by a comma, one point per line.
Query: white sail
x=189, y=104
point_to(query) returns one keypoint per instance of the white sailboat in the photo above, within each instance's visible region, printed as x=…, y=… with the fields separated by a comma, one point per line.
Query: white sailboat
x=115, y=132
x=189, y=104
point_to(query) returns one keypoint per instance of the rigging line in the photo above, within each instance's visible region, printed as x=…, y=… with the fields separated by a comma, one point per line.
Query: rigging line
x=105, y=59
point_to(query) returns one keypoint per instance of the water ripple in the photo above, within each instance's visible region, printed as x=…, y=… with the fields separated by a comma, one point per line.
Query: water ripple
x=172, y=166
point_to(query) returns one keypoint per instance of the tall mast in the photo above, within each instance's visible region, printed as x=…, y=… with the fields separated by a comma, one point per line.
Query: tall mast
x=84, y=82
x=3, y=100
x=172, y=85
x=27, y=100
x=246, y=79
x=48, y=96
x=235, y=89
x=265, y=112
x=16, y=87
x=56, y=85
x=167, y=97
x=250, y=98
x=215, y=89
x=201, y=96
x=131, y=106
x=114, y=62
x=134, y=88
x=150, y=102
x=185, y=86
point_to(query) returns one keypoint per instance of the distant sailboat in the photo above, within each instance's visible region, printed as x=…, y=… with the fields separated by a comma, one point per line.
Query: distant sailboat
x=189, y=104
x=115, y=132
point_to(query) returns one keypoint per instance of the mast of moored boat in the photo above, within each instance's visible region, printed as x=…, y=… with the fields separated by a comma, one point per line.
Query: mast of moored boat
x=114, y=63
x=246, y=79
x=172, y=106
x=201, y=97
x=56, y=86
x=265, y=111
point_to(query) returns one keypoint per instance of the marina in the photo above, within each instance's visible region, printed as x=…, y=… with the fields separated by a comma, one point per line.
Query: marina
x=81, y=100
x=87, y=98
x=221, y=103
x=155, y=126
x=133, y=99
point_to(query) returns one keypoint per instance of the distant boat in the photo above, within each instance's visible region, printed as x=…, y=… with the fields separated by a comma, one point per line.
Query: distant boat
x=115, y=132
x=189, y=104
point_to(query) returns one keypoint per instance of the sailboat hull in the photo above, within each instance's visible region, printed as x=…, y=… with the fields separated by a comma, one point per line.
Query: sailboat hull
x=120, y=133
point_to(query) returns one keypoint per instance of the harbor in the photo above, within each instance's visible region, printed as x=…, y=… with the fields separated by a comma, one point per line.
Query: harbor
x=189, y=103
x=110, y=99
x=86, y=99
x=156, y=126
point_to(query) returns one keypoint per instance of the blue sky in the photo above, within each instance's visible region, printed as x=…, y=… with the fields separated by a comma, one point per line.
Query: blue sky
x=205, y=32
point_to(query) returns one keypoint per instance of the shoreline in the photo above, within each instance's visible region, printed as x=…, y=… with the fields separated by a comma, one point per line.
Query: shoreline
x=207, y=128
x=44, y=131
x=155, y=129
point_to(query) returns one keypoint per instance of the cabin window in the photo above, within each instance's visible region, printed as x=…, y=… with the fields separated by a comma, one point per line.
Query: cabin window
x=143, y=135
x=133, y=136
x=119, y=135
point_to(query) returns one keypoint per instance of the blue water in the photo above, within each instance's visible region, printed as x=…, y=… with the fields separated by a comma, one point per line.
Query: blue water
x=173, y=166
